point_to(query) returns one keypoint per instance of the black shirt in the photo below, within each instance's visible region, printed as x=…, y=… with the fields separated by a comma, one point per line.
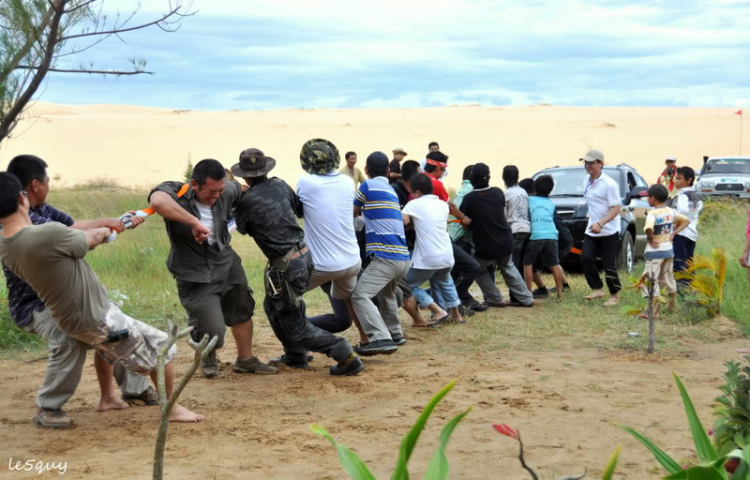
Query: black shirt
x=401, y=192
x=395, y=167
x=188, y=260
x=493, y=238
x=267, y=213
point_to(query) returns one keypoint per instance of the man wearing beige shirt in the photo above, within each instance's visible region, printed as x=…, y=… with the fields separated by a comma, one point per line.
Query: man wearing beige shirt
x=352, y=171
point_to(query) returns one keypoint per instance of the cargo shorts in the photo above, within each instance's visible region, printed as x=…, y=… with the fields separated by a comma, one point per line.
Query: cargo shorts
x=137, y=353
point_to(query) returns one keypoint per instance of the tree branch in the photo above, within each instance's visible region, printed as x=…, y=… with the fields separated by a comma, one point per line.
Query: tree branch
x=83, y=5
x=27, y=46
x=174, y=12
x=9, y=118
x=91, y=72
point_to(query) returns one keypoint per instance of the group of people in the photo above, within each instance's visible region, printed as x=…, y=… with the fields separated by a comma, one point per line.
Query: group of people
x=374, y=242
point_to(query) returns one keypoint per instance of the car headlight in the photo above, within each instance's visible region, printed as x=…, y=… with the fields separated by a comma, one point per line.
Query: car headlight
x=747, y=185
x=707, y=185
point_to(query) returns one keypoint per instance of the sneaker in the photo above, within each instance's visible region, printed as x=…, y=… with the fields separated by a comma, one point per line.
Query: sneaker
x=519, y=304
x=542, y=292
x=398, y=339
x=210, y=366
x=351, y=365
x=376, y=347
x=148, y=397
x=49, y=418
x=495, y=304
x=253, y=365
x=282, y=359
x=475, y=306
x=566, y=287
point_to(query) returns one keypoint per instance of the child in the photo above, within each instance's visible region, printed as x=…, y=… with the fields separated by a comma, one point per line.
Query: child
x=544, y=235
x=687, y=202
x=433, y=251
x=662, y=224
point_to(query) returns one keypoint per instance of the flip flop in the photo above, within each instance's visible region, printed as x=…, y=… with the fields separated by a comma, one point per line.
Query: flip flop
x=429, y=325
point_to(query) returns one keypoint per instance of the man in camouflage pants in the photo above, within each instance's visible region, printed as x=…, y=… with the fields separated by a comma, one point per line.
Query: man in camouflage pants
x=267, y=213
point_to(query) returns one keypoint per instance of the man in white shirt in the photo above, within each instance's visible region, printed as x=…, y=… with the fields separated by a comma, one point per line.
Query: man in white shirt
x=433, y=251
x=327, y=196
x=602, y=238
x=687, y=202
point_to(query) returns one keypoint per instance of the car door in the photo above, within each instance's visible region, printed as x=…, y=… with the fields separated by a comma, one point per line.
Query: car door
x=640, y=208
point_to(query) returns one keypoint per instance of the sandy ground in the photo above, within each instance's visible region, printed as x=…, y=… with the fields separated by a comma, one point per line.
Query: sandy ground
x=565, y=400
x=143, y=146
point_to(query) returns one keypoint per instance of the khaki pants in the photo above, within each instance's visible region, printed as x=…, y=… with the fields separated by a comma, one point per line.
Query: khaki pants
x=65, y=365
x=660, y=270
x=380, y=280
x=343, y=281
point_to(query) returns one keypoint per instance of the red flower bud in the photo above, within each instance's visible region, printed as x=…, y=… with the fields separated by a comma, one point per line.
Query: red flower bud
x=506, y=430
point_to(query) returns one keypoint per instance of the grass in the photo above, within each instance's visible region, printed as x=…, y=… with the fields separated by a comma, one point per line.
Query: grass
x=134, y=272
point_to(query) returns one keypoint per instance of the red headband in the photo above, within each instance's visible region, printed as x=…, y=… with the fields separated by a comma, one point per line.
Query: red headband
x=436, y=163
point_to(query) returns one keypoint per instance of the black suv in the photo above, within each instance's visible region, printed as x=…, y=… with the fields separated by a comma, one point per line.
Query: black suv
x=569, y=204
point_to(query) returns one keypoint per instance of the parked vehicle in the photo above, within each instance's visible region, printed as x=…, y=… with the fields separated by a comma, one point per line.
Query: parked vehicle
x=570, y=205
x=725, y=176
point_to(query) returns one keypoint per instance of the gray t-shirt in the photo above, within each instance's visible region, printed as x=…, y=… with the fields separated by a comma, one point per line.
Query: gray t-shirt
x=517, y=209
x=49, y=258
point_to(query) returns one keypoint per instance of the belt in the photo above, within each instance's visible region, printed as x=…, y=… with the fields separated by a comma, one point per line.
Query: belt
x=299, y=253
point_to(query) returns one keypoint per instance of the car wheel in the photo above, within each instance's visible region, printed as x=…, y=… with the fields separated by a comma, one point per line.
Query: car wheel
x=626, y=254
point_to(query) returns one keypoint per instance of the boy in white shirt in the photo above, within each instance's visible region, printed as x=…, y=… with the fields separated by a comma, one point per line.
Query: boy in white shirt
x=687, y=202
x=433, y=251
x=662, y=224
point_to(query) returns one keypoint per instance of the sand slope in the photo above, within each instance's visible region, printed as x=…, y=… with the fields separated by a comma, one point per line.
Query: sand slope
x=142, y=146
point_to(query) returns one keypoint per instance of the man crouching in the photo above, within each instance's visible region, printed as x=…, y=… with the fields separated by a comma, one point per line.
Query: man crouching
x=50, y=258
x=267, y=213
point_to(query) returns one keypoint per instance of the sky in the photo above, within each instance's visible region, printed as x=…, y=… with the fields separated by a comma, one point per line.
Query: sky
x=249, y=55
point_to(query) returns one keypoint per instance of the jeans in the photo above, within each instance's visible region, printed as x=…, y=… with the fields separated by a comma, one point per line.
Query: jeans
x=465, y=270
x=684, y=248
x=519, y=249
x=440, y=281
x=513, y=280
x=289, y=322
x=606, y=249
x=336, y=322
x=379, y=279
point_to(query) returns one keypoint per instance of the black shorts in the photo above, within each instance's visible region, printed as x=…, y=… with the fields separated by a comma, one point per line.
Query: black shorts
x=541, y=251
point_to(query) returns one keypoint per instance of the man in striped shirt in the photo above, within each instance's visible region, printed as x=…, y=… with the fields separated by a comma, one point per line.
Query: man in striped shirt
x=386, y=245
x=66, y=355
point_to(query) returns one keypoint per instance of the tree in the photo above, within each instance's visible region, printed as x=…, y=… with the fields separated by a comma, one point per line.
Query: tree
x=35, y=34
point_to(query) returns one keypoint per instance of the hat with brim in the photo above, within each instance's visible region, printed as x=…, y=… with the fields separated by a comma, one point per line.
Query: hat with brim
x=399, y=150
x=253, y=163
x=670, y=159
x=592, y=156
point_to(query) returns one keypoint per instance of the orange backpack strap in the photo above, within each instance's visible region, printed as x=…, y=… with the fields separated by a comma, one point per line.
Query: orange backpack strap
x=182, y=191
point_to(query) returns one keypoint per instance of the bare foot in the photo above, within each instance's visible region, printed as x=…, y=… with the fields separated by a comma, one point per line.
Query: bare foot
x=743, y=350
x=594, y=295
x=182, y=414
x=613, y=300
x=111, y=403
x=423, y=323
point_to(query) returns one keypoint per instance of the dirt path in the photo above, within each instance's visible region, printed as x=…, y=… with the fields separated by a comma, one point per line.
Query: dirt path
x=565, y=400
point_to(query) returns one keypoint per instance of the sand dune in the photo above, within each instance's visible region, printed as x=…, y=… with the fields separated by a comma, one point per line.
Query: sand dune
x=141, y=146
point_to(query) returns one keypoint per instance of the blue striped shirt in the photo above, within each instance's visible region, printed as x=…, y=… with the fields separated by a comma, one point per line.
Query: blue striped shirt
x=384, y=226
x=22, y=299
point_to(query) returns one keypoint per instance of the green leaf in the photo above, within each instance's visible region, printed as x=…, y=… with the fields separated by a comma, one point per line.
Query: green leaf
x=349, y=460
x=699, y=472
x=438, y=468
x=666, y=461
x=610, y=468
x=703, y=446
x=410, y=439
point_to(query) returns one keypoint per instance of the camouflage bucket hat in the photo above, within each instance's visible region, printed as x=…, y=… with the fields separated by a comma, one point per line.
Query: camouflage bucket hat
x=253, y=163
x=319, y=156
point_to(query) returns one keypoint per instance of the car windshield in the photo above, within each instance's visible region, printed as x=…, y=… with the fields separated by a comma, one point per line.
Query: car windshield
x=728, y=165
x=568, y=183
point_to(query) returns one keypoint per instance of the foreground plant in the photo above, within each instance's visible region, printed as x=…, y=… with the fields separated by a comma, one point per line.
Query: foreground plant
x=706, y=276
x=202, y=350
x=438, y=468
x=653, y=300
x=711, y=465
x=509, y=431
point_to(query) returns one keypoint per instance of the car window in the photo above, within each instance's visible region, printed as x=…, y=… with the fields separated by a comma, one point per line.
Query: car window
x=639, y=181
x=728, y=165
x=568, y=183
